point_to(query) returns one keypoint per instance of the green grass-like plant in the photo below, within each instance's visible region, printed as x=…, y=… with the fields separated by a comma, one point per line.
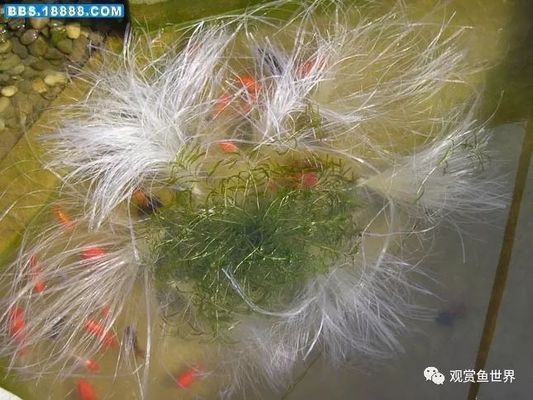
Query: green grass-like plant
x=268, y=228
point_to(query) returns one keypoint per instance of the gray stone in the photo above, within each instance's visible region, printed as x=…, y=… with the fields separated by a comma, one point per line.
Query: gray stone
x=4, y=104
x=29, y=36
x=73, y=30
x=39, y=47
x=8, y=62
x=54, y=54
x=16, y=23
x=19, y=49
x=65, y=46
x=39, y=23
x=6, y=47
x=9, y=91
x=16, y=70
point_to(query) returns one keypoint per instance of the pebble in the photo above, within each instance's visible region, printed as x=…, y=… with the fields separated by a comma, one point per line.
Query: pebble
x=2, y=124
x=39, y=23
x=16, y=23
x=19, y=49
x=29, y=36
x=58, y=34
x=39, y=47
x=53, y=54
x=4, y=78
x=6, y=47
x=39, y=86
x=54, y=23
x=41, y=65
x=9, y=91
x=17, y=70
x=55, y=78
x=9, y=62
x=65, y=46
x=73, y=30
x=4, y=104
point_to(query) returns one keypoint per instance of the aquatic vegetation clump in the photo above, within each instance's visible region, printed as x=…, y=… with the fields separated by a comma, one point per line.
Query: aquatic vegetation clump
x=247, y=186
x=256, y=237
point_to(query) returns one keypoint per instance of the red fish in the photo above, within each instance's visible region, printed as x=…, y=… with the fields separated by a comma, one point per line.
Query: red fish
x=86, y=390
x=228, y=147
x=252, y=85
x=92, y=365
x=98, y=330
x=186, y=378
x=308, y=180
x=222, y=103
x=17, y=324
x=63, y=218
x=92, y=252
x=36, y=272
x=146, y=203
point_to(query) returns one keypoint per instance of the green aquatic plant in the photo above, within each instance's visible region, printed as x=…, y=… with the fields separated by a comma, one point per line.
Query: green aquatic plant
x=256, y=236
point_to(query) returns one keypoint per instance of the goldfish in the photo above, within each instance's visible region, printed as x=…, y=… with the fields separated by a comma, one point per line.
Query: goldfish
x=91, y=365
x=252, y=85
x=92, y=252
x=17, y=324
x=186, y=378
x=63, y=218
x=308, y=180
x=146, y=203
x=86, y=390
x=221, y=104
x=36, y=272
x=228, y=147
x=98, y=330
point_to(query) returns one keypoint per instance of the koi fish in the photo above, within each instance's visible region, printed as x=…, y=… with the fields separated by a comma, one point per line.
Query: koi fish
x=130, y=335
x=86, y=390
x=96, y=329
x=92, y=252
x=63, y=218
x=36, y=272
x=187, y=377
x=228, y=147
x=146, y=203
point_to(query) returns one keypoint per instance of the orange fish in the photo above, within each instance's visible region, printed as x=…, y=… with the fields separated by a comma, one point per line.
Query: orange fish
x=106, y=311
x=17, y=324
x=305, y=69
x=187, y=377
x=308, y=180
x=222, y=103
x=98, y=330
x=92, y=365
x=252, y=85
x=145, y=202
x=86, y=390
x=228, y=147
x=63, y=218
x=92, y=252
x=35, y=271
